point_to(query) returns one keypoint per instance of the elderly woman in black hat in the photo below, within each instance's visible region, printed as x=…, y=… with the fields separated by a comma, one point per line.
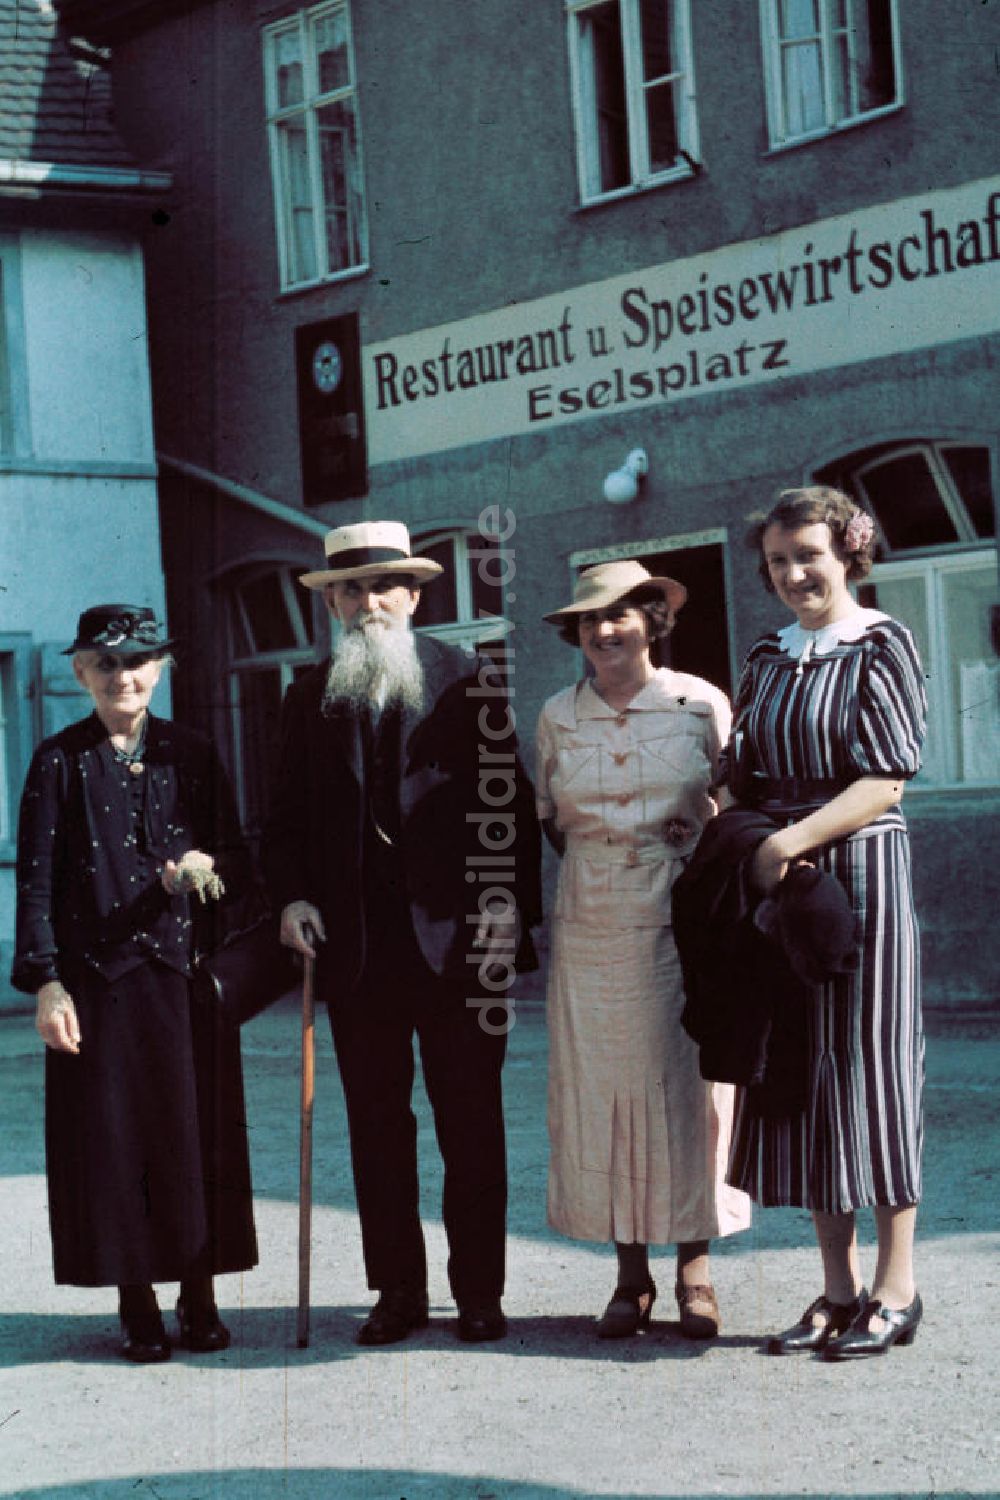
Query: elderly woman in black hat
x=124, y=816
x=626, y=762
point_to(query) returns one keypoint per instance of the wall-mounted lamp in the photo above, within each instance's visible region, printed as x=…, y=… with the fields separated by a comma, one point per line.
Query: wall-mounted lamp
x=622, y=485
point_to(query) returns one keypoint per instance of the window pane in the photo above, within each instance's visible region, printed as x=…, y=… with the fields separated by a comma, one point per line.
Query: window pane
x=341, y=184
x=264, y=602
x=260, y=696
x=906, y=499
x=438, y=599
x=839, y=13
x=657, y=52
x=288, y=67
x=843, y=104
x=906, y=600
x=802, y=82
x=970, y=469
x=967, y=596
x=604, y=95
x=873, y=60
x=332, y=61
x=799, y=18
x=485, y=575
x=661, y=125
x=294, y=156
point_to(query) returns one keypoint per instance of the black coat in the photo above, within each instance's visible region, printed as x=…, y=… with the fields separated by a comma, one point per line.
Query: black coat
x=146, y=1149
x=450, y=815
x=88, y=879
x=749, y=964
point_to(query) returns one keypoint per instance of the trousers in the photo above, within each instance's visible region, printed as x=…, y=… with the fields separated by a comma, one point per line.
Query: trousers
x=397, y=999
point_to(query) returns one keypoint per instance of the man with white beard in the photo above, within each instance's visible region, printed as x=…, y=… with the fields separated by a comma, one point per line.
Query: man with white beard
x=383, y=811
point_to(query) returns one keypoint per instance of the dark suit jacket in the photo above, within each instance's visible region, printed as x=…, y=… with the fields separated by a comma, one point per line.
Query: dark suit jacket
x=748, y=963
x=315, y=832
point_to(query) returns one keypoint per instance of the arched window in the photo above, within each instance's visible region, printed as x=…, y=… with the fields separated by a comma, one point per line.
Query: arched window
x=465, y=604
x=937, y=572
x=271, y=642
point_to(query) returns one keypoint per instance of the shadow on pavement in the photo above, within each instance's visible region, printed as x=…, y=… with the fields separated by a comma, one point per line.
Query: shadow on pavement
x=387, y=1484
x=264, y=1338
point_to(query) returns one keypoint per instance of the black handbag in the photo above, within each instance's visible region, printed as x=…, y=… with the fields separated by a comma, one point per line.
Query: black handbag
x=246, y=973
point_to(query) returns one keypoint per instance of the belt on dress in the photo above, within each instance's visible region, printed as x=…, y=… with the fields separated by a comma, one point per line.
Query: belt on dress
x=793, y=789
x=619, y=854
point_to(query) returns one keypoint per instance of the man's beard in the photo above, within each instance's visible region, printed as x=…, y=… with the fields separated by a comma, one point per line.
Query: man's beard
x=375, y=667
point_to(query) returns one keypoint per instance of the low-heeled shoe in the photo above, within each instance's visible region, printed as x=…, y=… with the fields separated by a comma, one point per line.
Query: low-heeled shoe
x=859, y=1341
x=144, y=1346
x=202, y=1331
x=396, y=1313
x=698, y=1325
x=628, y=1311
x=481, y=1322
x=807, y=1337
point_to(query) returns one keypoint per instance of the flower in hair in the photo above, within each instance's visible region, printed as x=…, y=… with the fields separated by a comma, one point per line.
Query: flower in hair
x=858, y=532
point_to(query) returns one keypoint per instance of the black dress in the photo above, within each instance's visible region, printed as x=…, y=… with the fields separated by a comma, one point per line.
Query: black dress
x=146, y=1148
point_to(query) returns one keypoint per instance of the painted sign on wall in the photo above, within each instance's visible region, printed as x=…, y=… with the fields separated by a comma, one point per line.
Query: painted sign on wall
x=904, y=275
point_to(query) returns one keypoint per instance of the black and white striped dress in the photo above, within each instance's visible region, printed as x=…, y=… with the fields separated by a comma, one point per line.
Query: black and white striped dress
x=841, y=703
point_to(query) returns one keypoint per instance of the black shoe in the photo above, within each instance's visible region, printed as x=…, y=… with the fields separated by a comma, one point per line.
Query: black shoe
x=481, y=1322
x=201, y=1329
x=144, y=1339
x=627, y=1312
x=395, y=1314
x=859, y=1341
x=806, y=1337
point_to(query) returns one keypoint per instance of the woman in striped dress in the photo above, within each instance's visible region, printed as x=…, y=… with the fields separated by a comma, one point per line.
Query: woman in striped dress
x=829, y=721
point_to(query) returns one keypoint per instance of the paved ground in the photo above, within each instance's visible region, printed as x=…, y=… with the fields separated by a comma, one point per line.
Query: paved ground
x=549, y=1412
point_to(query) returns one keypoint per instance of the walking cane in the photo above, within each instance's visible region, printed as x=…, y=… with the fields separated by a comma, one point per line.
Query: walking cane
x=305, y=1140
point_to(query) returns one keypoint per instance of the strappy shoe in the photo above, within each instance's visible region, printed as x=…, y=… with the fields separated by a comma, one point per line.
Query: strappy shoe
x=860, y=1340
x=807, y=1336
x=699, y=1311
x=628, y=1311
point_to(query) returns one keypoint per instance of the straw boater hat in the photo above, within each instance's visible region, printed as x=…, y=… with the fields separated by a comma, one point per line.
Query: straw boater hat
x=370, y=548
x=606, y=583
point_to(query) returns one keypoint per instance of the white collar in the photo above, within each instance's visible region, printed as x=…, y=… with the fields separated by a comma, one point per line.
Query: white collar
x=801, y=644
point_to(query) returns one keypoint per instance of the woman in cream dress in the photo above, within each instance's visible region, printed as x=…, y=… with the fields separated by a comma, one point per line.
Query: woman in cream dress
x=639, y=1141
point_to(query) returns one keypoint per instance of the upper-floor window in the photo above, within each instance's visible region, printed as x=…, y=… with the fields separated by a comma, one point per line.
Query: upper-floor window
x=312, y=121
x=633, y=94
x=937, y=572
x=827, y=64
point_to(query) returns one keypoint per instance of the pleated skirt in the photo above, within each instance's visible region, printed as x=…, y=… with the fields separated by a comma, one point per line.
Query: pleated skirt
x=146, y=1139
x=859, y=1141
x=638, y=1140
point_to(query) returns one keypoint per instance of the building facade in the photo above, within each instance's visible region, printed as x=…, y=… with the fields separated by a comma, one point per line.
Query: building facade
x=78, y=502
x=456, y=270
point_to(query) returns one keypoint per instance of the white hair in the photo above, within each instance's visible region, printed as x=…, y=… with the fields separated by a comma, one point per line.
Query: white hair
x=375, y=666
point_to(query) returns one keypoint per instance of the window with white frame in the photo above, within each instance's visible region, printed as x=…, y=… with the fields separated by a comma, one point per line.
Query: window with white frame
x=828, y=64
x=937, y=572
x=315, y=141
x=15, y=734
x=633, y=94
x=271, y=643
x=465, y=603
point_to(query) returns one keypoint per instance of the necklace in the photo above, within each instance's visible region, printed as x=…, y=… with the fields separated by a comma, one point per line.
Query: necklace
x=132, y=758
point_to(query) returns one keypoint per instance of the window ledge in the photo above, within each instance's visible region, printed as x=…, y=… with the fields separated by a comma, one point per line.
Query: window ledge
x=351, y=274
x=871, y=117
x=665, y=179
